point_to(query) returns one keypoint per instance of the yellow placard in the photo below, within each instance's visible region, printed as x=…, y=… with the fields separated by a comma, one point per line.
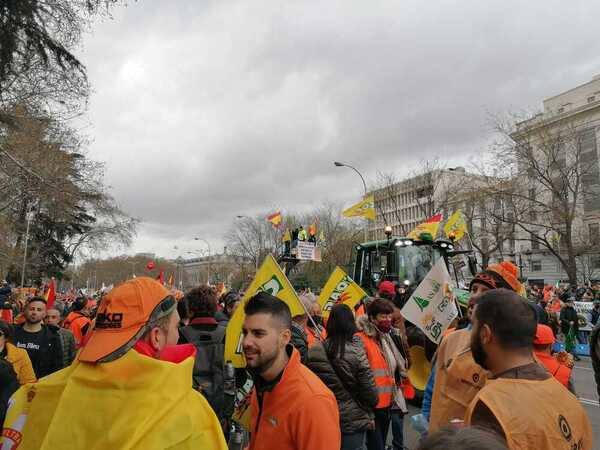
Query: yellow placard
x=269, y=278
x=340, y=288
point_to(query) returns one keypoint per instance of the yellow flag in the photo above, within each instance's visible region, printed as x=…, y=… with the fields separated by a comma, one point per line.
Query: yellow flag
x=340, y=288
x=456, y=226
x=365, y=208
x=430, y=226
x=269, y=278
x=88, y=396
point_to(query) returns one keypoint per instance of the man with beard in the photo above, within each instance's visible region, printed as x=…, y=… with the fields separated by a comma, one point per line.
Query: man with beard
x=455, y=378
x=67, y=341
x=547, y=415
x=42, y=342
x=291, y=408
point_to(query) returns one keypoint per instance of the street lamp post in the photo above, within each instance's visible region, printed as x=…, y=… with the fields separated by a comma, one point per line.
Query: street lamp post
x=209, y=256
x=29, y=217
x=340, y=164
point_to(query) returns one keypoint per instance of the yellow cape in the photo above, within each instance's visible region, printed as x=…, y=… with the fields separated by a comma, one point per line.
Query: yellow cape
x=135, y=402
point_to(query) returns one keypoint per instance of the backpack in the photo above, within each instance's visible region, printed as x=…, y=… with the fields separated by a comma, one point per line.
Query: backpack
x=209, y=366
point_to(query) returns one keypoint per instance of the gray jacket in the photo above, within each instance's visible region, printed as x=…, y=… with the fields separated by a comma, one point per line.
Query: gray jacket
x=67, y=343
x=351, y=382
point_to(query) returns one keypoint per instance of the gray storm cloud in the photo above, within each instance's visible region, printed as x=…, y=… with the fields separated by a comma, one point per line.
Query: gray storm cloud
x=205, y=110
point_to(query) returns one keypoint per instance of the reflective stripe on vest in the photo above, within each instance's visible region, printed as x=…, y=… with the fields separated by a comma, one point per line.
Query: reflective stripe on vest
x=383, y=381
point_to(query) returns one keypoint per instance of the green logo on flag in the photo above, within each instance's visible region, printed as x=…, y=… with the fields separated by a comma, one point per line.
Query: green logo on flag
x=421, y=302
x=273, y=286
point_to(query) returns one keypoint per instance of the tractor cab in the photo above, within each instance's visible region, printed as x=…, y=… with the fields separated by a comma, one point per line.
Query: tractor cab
x=402, y=260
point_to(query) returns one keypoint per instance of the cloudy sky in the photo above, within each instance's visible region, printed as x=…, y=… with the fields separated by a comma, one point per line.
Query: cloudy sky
x=204, y=110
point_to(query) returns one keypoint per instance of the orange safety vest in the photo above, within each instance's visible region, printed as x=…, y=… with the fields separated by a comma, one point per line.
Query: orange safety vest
x=458, y=378
x=384, y=381
x=76, y=322
x=559, y=371
x=311, y=336
x=548, y=415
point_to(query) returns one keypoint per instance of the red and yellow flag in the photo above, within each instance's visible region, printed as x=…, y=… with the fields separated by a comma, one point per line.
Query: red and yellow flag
x=51, y=294
x=430, y=226
x=275, y=219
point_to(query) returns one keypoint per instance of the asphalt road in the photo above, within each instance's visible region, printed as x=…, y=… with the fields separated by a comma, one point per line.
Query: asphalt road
x=585, y=386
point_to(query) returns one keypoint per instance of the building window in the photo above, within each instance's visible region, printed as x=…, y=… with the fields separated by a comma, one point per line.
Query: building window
x=535, y=244
x=594, y=230
x=591, y=99
x=595, y=263
x=536, y=265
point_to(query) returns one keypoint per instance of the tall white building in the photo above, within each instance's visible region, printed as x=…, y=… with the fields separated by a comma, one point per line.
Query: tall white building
x=576, y=110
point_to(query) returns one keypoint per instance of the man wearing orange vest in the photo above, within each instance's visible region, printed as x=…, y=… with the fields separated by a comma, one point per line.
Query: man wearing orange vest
x=521, y=401
x=77, y=321
x=542, y=349
x=387, y=365
x=291, y=408
x=455, y=377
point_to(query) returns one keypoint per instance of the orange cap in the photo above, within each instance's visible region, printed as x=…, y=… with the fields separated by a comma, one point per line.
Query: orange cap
x=122, y=317
x=508, y=271
x=543, y=335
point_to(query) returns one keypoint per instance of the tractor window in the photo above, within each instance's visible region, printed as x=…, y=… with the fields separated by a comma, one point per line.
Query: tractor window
x=414, y=262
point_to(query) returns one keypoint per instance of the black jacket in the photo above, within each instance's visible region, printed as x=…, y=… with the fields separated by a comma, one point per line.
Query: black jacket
x=351, y=381
x=8, y=385
x=300, y=341
x=595, y=354
x=568, y=314
x=52, y=356
x=4, y=293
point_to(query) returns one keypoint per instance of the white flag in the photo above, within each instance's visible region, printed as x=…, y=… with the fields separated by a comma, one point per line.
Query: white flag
x=432, y=307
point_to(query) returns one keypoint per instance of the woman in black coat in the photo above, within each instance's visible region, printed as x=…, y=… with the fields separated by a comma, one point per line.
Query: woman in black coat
x=341, y=363
x=8, y=385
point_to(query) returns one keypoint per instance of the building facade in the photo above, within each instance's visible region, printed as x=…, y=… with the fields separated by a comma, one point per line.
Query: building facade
x=572, y=120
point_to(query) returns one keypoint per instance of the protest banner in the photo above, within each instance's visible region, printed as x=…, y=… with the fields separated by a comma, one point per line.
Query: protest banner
x=340, y=288
x=269, y=278
x=432, y=307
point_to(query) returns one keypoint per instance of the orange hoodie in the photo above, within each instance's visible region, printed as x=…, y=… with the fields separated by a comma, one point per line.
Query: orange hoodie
x=299, y=413
x=79, y=326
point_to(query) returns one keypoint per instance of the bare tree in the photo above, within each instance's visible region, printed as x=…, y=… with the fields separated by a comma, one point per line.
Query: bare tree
x=545, y=177
x=43, y=167
x=387, y=198
x=253, y=238
x=431, y=194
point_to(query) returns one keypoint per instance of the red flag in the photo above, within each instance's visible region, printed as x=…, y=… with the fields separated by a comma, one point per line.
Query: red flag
x=6, y=315
x=161, y=277
x=151, y=265
x=51, y=294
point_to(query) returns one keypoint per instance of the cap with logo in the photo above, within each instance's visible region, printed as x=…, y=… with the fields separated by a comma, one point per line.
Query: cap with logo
x=124, y=316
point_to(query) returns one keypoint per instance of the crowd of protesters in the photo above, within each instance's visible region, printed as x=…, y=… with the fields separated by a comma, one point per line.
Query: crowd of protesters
x=150, y=371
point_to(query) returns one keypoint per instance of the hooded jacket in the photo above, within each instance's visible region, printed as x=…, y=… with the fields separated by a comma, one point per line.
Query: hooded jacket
x=393, y=344
x=298, y=413
x=21, y=363
x=351, y=381
x=134, y=402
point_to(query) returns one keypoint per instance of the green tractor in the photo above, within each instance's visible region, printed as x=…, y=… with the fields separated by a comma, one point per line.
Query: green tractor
x=406, y=262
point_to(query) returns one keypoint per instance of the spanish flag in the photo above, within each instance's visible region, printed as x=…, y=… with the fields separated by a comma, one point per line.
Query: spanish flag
x=275, y=219
x=365, y=208
x=456, y=227
x=430, y=226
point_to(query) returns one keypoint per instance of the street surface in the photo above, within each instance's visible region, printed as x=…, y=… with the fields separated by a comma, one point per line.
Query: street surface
x=585, y=386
